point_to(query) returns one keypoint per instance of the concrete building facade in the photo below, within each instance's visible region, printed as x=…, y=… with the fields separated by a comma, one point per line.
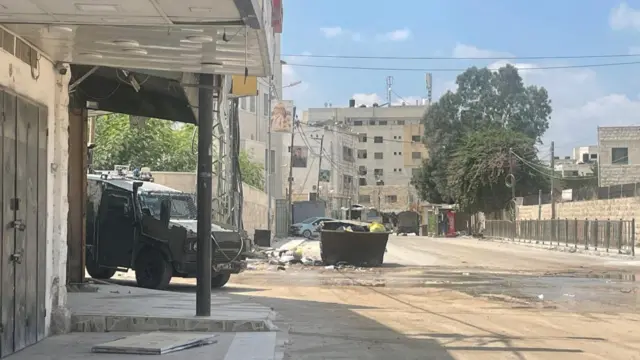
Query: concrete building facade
x=388, y=148
x=580, y=162
x=618, y=155
x=255, y=114
x=333, y=164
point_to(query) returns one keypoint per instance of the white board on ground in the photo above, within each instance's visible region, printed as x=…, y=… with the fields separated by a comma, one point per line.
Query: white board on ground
x=252, y=346
x=155, y=343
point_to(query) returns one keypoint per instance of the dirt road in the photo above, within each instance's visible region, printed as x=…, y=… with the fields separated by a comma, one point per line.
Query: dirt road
x=456, y=299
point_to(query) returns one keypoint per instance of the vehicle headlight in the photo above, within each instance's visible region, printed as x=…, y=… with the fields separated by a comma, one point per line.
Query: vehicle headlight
x=192, y=246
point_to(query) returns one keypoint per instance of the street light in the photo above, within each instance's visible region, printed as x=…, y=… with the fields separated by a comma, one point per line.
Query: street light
x=267, y=168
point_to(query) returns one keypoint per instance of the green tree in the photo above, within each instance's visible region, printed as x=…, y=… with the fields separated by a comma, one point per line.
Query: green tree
x=478, y=169
x=158, y=144
x=252, y=172
x=484, y=99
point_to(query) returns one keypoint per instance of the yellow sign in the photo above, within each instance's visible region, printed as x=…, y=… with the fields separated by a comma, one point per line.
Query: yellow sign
x=244, y=85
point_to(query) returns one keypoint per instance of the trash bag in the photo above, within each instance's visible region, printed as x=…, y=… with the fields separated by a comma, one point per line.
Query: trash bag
x=377, y=227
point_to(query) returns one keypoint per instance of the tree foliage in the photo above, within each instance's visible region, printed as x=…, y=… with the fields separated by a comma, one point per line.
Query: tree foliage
x=252, y=172
x=477, y=174
x=483, y=101
x=158, y=144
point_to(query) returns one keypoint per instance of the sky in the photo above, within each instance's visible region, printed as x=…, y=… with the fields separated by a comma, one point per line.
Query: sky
x=582, y=98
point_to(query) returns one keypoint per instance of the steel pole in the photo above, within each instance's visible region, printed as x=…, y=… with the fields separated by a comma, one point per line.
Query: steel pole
x=204, y=196
x=267, y=170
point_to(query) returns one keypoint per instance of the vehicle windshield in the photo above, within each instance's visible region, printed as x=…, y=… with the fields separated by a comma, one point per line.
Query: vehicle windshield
x=309, y=220
x=182, y=205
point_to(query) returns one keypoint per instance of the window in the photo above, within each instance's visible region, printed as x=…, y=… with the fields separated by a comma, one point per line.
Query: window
x=416, y=155
x=585, y=158
x=362, y=182
x=362, y=138
x=362, y=154
x=347, y=154
x=347, y=181
x=416, y=138
x=594, y=156
x=378, y=172
x=415, y=172
x=362, y=170
x=266, y=106
x=377, y=139
x=394, y=169
x=364, y=199
x=391, y=198
x=399, y=152
x=400, y=122
x=252, y=104
x=395, y=153
x=243, y=103
x=382, y=122
x=620, y=156
x=357, y=123
x=377, y=156
x=372, y=122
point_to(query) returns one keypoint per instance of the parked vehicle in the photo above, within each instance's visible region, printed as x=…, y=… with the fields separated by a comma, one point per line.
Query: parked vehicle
x=308, y=227
x=151, y=229
x=408, y=222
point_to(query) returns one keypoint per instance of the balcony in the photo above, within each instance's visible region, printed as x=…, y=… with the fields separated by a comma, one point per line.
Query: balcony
x=191, y=36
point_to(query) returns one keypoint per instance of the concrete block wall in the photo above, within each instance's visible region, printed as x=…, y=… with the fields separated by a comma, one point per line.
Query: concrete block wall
x=626, y=209
x=255, y=205
x=618, y=137
x=404, y=194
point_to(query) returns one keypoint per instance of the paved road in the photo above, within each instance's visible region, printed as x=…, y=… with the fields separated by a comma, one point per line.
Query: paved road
x=453, y=299
x=457, y=299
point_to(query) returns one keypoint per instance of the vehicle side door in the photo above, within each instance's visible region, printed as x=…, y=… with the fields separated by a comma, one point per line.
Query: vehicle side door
x=116, y=228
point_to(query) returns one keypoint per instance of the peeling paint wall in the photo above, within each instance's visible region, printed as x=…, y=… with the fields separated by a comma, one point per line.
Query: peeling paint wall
x=50, y=89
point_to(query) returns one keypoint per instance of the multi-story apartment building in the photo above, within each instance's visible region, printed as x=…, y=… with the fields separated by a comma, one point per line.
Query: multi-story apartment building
x=254, y=123
x=388, y=148
x=329, y=170
x=618, y=155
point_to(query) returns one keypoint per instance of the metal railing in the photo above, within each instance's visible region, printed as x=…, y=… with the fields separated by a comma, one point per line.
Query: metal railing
x=607, y=235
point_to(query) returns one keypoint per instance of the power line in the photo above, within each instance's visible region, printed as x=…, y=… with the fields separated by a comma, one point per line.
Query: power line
x=550, y=57
x=557, y=67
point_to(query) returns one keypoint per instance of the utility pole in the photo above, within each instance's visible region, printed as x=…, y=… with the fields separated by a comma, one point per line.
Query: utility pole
x=268, y=166
x=320, y=166
x=389, y=89
x=553, y=174
x=289, y=194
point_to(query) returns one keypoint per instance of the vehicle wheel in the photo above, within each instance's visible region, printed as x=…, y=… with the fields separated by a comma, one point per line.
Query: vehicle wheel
x=153, y=271
x=307, y=234
x=220, y=280
x=97, y=272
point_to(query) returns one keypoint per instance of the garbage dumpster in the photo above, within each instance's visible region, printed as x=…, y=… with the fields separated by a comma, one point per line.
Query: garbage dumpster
x=358, y=248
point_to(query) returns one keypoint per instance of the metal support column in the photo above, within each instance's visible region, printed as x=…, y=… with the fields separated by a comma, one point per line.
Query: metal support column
x=205, y=165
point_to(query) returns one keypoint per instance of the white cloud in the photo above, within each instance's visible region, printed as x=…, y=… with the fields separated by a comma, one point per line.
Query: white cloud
x=470, y=51
x=624, y=17
x=290, y=76
x=395, y=35
x=580, y=102
x=337, y=31
x=331, y=32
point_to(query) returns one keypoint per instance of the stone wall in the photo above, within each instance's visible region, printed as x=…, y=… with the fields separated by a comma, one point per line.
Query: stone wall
x=255, y=207
x=611, y=137
x=625, y=208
